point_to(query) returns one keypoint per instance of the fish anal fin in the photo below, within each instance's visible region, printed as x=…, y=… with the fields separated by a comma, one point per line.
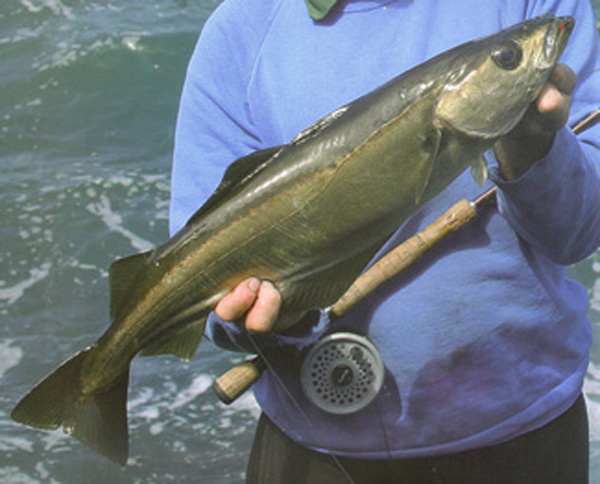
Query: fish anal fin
x=99, y=420
x=122, y=276
x=479, y=171
x=238, y=174
x=182, y=342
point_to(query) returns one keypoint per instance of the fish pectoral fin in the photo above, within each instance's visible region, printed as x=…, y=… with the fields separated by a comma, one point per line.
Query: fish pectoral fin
x=98, y=420
x=479, y=170
x=428, y=154
x=122, y=276
x=238, y=174
x=182, y=342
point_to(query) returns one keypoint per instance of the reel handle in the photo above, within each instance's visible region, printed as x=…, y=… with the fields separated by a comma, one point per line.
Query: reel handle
x=233, y=383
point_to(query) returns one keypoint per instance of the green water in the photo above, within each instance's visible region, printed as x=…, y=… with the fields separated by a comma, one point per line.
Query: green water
x=89, y=92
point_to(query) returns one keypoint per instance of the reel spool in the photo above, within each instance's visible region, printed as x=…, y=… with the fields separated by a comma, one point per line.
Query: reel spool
x=342, y=373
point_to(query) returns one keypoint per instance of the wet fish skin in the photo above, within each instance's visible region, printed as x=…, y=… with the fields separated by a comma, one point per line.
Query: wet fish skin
x=308, y=216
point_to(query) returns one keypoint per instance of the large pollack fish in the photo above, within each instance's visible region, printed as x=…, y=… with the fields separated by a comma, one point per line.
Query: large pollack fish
x=307, y=216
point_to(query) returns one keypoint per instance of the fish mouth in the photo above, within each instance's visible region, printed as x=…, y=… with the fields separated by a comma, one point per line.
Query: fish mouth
x=557, y=35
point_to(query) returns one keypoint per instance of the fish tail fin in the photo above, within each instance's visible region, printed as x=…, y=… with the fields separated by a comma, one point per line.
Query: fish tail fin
x=99, y=420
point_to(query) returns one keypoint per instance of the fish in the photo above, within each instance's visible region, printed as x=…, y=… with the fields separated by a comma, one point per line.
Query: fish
x=308, y=216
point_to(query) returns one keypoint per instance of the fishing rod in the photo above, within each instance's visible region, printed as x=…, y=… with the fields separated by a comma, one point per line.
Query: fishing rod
x=232, y=384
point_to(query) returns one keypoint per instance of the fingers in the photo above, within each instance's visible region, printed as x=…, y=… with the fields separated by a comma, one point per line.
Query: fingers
x=554, y=102
x=263, y=314
x=259, y=301
x=564, y=78
x=235, y=304
x=533, y=137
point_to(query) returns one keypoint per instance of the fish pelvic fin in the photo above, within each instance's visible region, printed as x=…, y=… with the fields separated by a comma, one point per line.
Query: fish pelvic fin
x=98, y=420
x=428, y=155
x=182, y=342
x=479, y=171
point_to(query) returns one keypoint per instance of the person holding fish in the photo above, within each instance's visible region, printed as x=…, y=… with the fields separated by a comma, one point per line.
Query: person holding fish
x=485, y=343
x=465, y=367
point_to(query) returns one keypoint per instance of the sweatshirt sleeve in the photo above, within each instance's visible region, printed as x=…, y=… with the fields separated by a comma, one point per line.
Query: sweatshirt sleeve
x=555, y=205
x=214, y=127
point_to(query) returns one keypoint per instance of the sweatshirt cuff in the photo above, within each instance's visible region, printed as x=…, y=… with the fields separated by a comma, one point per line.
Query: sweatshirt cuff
x=231, y=336
x=544, y=178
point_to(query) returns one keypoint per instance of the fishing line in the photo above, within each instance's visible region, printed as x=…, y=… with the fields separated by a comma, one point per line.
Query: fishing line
x=579, y=126
x=301, y=411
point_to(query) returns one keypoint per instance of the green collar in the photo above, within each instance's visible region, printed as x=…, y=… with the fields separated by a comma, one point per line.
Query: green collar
x=319, y=8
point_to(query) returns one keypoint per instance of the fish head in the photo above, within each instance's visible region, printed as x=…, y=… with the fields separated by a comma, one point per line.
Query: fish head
x=493, y=81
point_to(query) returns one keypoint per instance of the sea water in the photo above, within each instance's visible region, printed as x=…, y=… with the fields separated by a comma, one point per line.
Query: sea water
x=88, y=98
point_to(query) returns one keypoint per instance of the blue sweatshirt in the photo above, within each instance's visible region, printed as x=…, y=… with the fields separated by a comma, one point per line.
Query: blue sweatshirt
x=487, y=339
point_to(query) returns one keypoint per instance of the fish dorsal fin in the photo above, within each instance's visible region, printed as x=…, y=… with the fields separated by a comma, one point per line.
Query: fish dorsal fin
x=479, y=170
x=239, y=173
x=182, y=342
x=429, y=154
x=316, y=128
x=244, y=169
x=122, y=275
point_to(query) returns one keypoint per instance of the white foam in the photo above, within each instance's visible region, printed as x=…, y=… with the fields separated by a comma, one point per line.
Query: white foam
x=67, y=53
x=9, y=356
x=13, y=475
x=122, y=180
x=114, y=222
x=13, y=293
x=8, y=444
x=82, y=266
x=43, y=472
x=594, y=371
x=593, y=409
x=132, y=42
x=55, y=6
x=157, y=428
x=56, y=441
x=595, y=296
x=591, y=390
x=198, y=386
x=245, y=403
x=225, y=423
x=142, y=398
x=161, y=180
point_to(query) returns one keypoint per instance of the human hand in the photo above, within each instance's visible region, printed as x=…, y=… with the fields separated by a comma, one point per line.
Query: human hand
x=258, y=300
x=532, y=138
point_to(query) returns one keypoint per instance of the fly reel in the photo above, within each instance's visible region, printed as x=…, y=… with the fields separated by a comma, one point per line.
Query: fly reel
x=342, y=373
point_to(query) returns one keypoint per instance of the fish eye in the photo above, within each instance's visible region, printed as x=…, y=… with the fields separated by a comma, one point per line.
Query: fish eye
x=508, y=55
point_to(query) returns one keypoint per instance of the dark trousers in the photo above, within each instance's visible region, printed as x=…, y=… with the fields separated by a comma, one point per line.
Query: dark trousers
x=554, y=454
